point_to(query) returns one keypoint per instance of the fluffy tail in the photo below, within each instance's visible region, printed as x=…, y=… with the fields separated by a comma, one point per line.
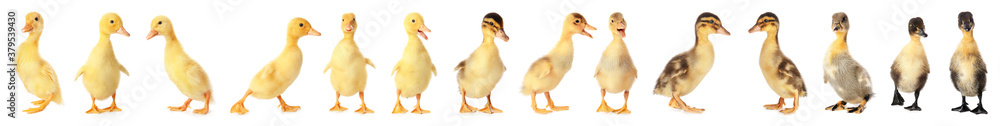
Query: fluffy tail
x=58, y=97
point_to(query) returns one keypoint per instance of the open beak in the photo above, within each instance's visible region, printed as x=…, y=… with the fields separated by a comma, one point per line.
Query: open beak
x=123, y=32
x=921, y=33
x=755, y=28
x=502, y=35
x=584, y=31
x=313, y=32
x=27, y=28
x=621, y=30
x=721, y=30
x=421, y=30
x=349, y=27
x=152, y=33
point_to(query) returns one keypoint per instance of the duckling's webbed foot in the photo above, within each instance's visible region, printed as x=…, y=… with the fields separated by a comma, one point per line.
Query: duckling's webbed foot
x=963, y=108
x=837, y=107
x=856, y=110
x=916, y=98
x=979, y=109
x=897, y=99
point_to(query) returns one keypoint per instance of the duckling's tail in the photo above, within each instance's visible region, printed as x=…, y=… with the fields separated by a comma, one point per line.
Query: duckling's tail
x=58, y=96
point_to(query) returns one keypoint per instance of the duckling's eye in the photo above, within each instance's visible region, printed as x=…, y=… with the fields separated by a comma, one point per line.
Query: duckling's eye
x=413, y=20
x=159, y=23
x=712, y=21
x=36, y=18
x=491, y=23
x=112, y=21
x=341, y=19
x=300, y=24
x=612, y=21
x=577, y=21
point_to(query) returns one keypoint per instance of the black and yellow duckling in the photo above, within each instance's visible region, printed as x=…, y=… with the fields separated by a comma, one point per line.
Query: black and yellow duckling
x=479, y=74
x=847, y=77
x=968, y=71
x=781, y=74
x=616, y=72
x=546, y=72
x=910, y=69
x=686, y=70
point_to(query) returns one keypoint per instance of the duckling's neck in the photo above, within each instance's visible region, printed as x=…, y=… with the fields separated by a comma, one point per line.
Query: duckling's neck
x=414, y=39
x=841, y=37
x=292, y=41
x=702, y=40
x=616, y=38
x=772, y=39
x=488, y=39
x=967, y=37
x=567, y=36
x=915, y=39
x=32, y=38
x=348, y=35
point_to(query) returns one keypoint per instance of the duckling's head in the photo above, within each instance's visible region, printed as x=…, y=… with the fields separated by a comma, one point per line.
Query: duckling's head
x=916, y=27
x=348, y=23
x=965, y=21
x=708, y=23
x=493, y=26
x=414, y=24
x=160, y=26
x=111, y=23
x=33, y=23
x=617, y=24
x=299, y=27
x=766, y=22
x=576, y=24
x=840, y=23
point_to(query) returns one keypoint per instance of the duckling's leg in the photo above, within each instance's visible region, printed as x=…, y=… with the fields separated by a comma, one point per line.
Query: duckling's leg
x=684, y=106
x=39, y=102
x=113, y=107
x=286, y=107
x=795, y=105
x=837, y=107
x=604, y=105
x=182, y=107
x=673, y=103
x=417, y=109
x=41, y=106
x=914, y=107
x=364, y=109
x=208, y=98
x=466, y=108
x=336, y=106
x=238, y=107
x=553, y=105
x=980, y=110
x=624, y=109
x=781, y=103
x=93, y=106
x=535, y=106
x=897, y=99
x=963, y=108
x=489, y=106
x=399, y=106
x=861, y=107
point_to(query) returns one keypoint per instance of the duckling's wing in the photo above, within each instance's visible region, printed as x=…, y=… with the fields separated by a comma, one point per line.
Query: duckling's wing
x=460, y=66
x=676, y=69
x=266, y=72
x=788, y=70
x=48, y=72
x=122, y=69
x=369, y=62
x=626, y=61
x=894, y=72
x=863, y=77
x=328, y=66
x=84, y=67
x=396, y=68
x=196, y=75
x=542, y=66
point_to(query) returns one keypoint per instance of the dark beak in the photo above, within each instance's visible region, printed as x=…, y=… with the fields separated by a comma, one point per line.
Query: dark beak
x=921, y=33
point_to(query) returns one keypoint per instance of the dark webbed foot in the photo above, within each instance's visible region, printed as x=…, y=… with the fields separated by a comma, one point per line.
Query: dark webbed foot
x=979, y=110
x=856, y=110
x=916, y=98
x=837, y=107
x=963, y=108
x=897, y=99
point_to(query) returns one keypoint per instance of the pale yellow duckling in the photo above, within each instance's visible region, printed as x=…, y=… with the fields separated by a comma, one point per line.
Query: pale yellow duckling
x=616, y=72
x=36, y=74
x=686, y=70
x=348, y=75
x=479, y=74
x=546, y=72
x=187, y=74
x=414, y=69
x=101, y=72
x=780, y=73
x=276, y=76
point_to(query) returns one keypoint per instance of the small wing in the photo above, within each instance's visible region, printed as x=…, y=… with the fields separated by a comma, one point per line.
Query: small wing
x=433, y=69
x=327, y=68
x=395, y=68
x=460, y=66
x=80, y=72
x=48, y=72
x=863, y=77
x=122, y=69
x=543, y=66
x=597, y=71
x=676, y=69
x=196, y=74
x=266, y=72
x=369, y=62
x=894, y=72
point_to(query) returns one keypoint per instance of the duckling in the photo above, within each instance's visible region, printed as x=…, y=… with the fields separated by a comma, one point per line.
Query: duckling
x=187, y=74
x=910, y=69
x=276, y=76
x=349, y=75
x=479, y=74
x=615, y=72
x=100, y=73
x=546, y=72
x=843, y=73
x=36, y=73
x=686, y=70
x=968, y=71
x=781, y=74
x=412, y=69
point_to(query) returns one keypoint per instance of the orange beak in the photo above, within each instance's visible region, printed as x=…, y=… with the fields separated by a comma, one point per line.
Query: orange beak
x=314, y=32
x=152, y=33
x=123, y=32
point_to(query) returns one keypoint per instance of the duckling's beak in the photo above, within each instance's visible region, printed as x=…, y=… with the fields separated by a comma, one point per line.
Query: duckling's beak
x=502, y=35
x=721, y=30
x=966, y=27
x=152, y=33
x=27, y=27
x=313, y=32
x=838, y=28
x=584, y=31
x=921, y=33
x=755, y=28
x=621, y=30
x=123, y=32
x=421, y=30
x=349, y=27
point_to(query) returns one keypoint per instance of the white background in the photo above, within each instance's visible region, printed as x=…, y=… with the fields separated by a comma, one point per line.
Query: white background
x=233, y=39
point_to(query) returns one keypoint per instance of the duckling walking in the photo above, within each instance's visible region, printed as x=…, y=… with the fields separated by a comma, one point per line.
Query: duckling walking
x=100, y=73
x=546, y=72
x=781, y=74
x=276, y=76
x=686, y=70
x=37, y=75
x=413, y=71
x=615, y=72
x=348, y=75
x=187, y=74
x=910, y=69
x=968, y=71
x=845, y=75
x=479, y=74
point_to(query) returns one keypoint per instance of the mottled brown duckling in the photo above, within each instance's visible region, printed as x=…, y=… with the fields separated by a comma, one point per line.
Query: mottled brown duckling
x=686, y=70
x=781, y=74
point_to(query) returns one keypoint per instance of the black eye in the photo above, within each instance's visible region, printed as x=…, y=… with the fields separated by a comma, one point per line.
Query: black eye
x=491, y=23
x=577, y=21
x=300, y=24
x=159, y=23
x=112, y=21
x=36, y=18
x=712, y=21
x=413, y=20
x=612, y=21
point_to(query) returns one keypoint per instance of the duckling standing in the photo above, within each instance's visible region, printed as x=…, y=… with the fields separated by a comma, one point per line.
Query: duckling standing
x=910, y=69
x=781, y=74
x=479, y=74
x=616, y=72
x=349, y=75
x=100, y=73
x=36, y=73
x=686, y=70
x=187, y=74
x=968, y=71
x=276, y=76
x=413, y=71
x=843, y=73
x=546, y=72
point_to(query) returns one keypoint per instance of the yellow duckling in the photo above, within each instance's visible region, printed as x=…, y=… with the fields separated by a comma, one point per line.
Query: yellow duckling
x=546, y=72
x=616, y=72
x=686, y=70
x=412, y=71
x=100, y=73
x=781, y=74
x=187, y=74
x=349, y=75
x=479, y=74
x=276, y=76
x=36, y=74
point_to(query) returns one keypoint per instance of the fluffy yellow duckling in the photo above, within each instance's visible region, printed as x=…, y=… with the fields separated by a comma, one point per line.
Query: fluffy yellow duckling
x=187, y=74
x=36, y=74
x=616, y=72
x=349, y=75
x=100, y=73
x=276, y=76
x=847, y=77
x=413, y=71
x=479, y=74
x=909, y=70
x=546, y=72
x=686, y=70
x=968, y=71
x=780, y=73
